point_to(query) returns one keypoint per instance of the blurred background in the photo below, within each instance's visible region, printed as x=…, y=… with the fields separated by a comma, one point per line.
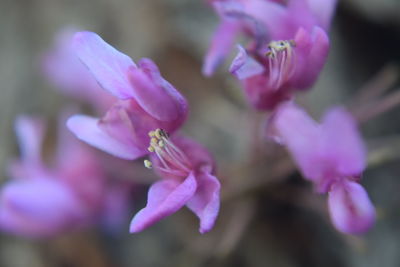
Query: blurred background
x=269, y=215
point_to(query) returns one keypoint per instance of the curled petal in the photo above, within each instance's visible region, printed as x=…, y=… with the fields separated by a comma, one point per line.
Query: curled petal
x=244, y=66
x=350, y=208
x=108, y=65
x=221, y=45
x=343, y=144
x=164, y=198
x=153, y=97
x=87, y=129
x=205, y=202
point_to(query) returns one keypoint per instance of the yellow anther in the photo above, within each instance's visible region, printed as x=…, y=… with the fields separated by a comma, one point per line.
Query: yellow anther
x=279, y=46
x=158, y=133
x=153, y=141
x=148, y=164
x=151, y=149
x=152, y=134
x=161, y=143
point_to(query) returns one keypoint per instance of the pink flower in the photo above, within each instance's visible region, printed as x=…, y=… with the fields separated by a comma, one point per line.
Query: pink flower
x=332, y=156
x=43, y=201
x=144, y=100
x=288, y=47
x=63, y=68
x=187, y=172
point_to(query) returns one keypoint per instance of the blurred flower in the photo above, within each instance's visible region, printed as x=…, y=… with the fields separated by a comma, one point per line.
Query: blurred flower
x=332, y=156
x=63, y=68
x=145, y=101
x=43, y=201
x=288, y=47
x=187, y=170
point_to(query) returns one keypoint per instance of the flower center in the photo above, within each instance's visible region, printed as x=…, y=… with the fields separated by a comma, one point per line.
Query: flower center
x=281, y=60
x=172, y=159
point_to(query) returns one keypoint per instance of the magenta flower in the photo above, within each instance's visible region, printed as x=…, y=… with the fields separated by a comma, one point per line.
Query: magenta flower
x=144, y=100
x=63, y=68
x=332, y=156
x=288, y=47
x=187, y=172
x=43, y=201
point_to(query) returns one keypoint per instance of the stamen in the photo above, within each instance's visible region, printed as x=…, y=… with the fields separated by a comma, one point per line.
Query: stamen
x=172, y=159
x=281, y=62
x=148, y=164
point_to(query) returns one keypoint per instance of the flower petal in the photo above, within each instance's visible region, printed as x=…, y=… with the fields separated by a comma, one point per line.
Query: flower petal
x=38, y=208
x=273, y=16
x=87, y=129
x=343, y=143
x=205, y=202
x=63, y=68
x=350, y=208
x=244, y=66
x=323, y=10
x=312, y=52
x=293, y=127
x=108, y=65
x=221, y=45
x=153, y=97
x=164, y=198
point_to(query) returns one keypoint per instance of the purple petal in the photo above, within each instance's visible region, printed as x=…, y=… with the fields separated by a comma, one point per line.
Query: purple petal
x=261, y=95
x=312, y=52
x=164, y=198
x=108, y=65
x=30, y=132
x=300, y=15
x=38, y=208
x=151, y=69
x=244, y=66
x=343, y=143
x=350, y=208
x=153, y=98
x=87, y=129
x=323, y=10
x=221, y=45
x=205, y=202
x=273, y=16
x=198, y=154
x=293, y=127
x=64, y=69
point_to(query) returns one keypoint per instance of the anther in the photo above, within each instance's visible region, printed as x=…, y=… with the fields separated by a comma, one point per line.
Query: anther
x=161, y=143
x=153, y=141
x=148, y=164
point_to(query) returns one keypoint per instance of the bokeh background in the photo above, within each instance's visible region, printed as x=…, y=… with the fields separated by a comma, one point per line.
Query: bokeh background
x=269, y=215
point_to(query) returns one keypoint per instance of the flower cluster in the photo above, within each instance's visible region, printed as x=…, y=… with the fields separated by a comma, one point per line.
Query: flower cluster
x=139, y=115
x=287, y=49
